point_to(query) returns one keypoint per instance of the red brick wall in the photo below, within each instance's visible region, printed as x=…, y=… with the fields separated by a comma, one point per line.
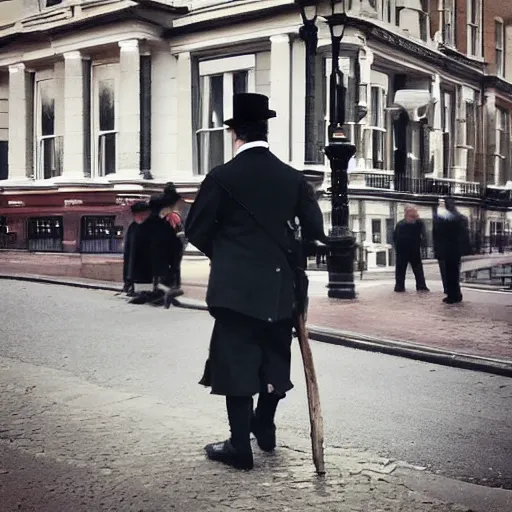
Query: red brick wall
x=494, y=9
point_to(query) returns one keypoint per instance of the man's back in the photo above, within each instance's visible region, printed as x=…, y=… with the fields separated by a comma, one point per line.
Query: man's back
x=249, y=271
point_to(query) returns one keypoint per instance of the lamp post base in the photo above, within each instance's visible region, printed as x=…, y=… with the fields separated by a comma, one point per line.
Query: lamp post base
x=340, y=265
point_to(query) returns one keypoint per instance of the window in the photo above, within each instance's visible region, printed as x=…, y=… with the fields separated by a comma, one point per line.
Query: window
x=219, y=80
x=48, y=145
x=448, y=21
x=4, y=167
x=51, y=3
x=502, y=156
x=471, y=129
x=376, y=231
x=378, y=127
x=447, y=125
x=105, y=118
x=45, y=234
x=499, y=38
x=474, y=22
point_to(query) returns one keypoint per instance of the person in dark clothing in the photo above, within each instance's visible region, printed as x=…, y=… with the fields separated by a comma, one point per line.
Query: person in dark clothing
x=451, y=242
x=250, y=290
x=409, y=237
x=170, y=199
x=136, y=267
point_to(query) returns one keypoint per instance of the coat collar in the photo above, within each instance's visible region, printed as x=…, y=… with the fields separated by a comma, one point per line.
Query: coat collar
x=251, y=145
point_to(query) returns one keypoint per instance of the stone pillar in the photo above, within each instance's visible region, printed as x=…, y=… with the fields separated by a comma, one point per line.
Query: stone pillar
x=185, y=149
x=74, y=103
x=280, y=87
x=21, y=160
x=363, y=156
x=298, y=115
x=129, y=111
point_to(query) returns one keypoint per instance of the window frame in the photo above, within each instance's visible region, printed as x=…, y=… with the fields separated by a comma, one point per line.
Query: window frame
x=474, y=28
x=98, y=135
x=448, y=17
x=499, y=52
x=227, y=67
x=502, y=155
x=40, y=139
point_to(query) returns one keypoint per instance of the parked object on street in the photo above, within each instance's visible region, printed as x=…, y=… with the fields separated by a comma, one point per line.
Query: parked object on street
x=409, y=238
x=451, y=242
x=241, y=221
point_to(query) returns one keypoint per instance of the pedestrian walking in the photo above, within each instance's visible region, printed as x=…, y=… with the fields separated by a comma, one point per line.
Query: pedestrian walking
x=451, y=242
x=409, y=238
x=136, y=262
x=242, y=219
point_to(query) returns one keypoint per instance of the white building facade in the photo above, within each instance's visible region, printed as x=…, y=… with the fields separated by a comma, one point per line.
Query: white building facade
x=104, y=101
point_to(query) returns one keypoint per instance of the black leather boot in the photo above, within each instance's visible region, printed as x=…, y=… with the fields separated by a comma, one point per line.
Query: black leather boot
x=262, y=424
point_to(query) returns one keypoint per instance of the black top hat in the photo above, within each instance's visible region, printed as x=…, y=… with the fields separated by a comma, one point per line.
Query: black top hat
x=140, y=206
x=249, y=108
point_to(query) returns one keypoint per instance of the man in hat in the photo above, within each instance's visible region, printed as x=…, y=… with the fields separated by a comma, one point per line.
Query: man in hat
x=241, y=219
x=136, y=265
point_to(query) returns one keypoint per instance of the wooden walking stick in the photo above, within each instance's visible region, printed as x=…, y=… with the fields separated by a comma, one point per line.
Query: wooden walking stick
x=315, y=412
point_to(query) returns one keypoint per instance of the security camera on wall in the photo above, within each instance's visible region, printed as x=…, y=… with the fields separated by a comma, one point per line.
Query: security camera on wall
x=416, y=102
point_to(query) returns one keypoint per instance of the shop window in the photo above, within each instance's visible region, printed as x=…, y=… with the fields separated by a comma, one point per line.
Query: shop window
x=218, y=81
x=99, y=234
x=45, y=234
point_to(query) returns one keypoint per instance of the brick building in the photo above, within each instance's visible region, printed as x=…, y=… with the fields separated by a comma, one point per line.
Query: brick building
x=103, y=101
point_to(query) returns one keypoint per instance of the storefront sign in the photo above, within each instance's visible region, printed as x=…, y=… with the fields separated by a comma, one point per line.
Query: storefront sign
x=16, y=204
x=127, y=201
x=73, y=202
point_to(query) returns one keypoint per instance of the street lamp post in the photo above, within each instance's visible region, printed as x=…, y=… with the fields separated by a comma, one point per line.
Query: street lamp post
x=341, y=255
x=309, y=34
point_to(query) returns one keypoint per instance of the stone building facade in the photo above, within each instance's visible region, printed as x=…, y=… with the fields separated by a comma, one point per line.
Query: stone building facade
x=103, y=101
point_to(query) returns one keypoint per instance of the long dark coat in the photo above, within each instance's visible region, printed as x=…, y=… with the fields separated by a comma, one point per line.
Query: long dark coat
x=250, y=290
x=451, y=237
x=149, y=250
x=249, y=273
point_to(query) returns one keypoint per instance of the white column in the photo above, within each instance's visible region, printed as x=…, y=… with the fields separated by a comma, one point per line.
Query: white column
x=74, y=136
x=20, y=117
x=490, y=127
x=436, y=135
x=163, y=115
x=185, y=151
x=298, y=113
x=280, y=87
x=129, y=111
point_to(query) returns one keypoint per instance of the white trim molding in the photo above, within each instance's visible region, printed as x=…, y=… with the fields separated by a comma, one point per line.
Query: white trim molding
x=227, y=65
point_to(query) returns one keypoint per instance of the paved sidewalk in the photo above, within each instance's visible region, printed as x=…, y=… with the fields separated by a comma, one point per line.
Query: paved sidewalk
x=68, y=444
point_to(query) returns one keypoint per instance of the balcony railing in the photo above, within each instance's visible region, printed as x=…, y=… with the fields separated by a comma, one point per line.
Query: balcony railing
x=431, y=186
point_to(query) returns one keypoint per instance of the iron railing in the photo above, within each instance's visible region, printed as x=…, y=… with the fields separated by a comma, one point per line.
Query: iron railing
x=45, y=234
x=492, y=196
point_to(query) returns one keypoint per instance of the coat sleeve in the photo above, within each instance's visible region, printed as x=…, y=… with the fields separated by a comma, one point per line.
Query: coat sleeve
x=201, y=223
x=309, y=214
x=423, y=235
x=127, y=252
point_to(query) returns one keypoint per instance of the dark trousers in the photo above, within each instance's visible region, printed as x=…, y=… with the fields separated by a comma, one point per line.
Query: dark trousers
x=403, y=259
x=240, y=416
x=450, y=275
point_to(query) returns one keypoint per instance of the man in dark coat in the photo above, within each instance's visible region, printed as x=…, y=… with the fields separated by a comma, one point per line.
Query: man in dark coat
x=250, y=289
x=136, y=261
x=409, y=237
x=451, y=242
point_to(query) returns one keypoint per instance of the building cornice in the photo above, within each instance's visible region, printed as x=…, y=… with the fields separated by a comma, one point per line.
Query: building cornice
x=495, y=82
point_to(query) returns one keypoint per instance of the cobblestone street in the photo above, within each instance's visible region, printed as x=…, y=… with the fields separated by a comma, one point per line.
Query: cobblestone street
x=101, y=412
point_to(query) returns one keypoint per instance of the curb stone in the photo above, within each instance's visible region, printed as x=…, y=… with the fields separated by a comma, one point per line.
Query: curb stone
x=333, y=336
